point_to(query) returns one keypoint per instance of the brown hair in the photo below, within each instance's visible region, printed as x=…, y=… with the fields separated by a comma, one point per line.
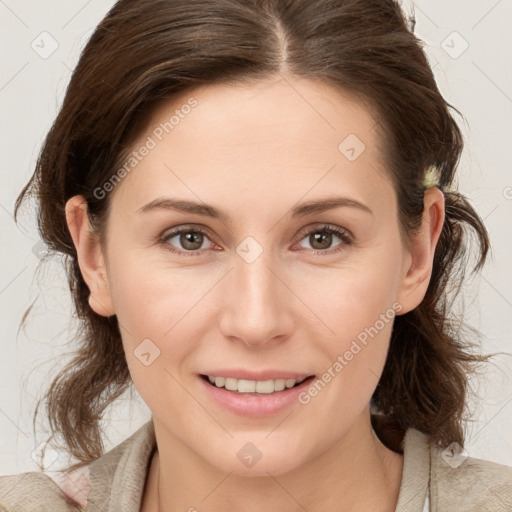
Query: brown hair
x=147, y=51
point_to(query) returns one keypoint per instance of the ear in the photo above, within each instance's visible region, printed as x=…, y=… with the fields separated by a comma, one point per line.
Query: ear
x=90, y=256
x=419, y=262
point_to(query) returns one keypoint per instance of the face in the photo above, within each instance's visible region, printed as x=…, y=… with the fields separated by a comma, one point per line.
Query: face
x=270, y=289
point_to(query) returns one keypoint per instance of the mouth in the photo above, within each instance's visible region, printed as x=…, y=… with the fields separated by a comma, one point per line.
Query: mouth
x=255, y=387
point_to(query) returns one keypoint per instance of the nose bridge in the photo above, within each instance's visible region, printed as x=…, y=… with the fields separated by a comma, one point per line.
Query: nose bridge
x=255, y=309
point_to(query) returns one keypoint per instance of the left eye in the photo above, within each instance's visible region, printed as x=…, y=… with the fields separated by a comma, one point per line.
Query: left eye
x=320, y=239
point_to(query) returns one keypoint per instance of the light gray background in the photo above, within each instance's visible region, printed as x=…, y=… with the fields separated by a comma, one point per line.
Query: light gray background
x=476, y=79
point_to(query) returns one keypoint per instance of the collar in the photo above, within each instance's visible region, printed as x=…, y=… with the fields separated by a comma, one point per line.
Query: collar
x=118, y=477
x=415, y=473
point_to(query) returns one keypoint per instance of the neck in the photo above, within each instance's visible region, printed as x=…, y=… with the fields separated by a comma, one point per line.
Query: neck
x=356, y=474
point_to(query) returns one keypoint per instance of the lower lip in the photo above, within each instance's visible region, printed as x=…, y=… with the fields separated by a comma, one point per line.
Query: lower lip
x=255, y=405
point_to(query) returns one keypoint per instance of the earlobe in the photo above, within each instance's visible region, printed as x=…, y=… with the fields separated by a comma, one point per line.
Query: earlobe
x=90, y=256
x=418, y=271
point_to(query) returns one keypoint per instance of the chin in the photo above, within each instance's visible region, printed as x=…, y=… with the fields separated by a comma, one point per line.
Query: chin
x=245, y=458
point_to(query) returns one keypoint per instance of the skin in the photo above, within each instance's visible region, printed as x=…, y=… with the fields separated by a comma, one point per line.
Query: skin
x=256, y=151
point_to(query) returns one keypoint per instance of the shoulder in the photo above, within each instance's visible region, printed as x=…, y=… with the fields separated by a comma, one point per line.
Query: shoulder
x=32, y=491
x=116, y=477
x=468, y=484
x=453, y=481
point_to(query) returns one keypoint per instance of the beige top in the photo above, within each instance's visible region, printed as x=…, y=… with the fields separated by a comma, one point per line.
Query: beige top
x=115, y=481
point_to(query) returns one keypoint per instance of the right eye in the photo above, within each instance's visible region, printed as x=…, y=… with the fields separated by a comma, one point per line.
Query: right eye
x=189, y=241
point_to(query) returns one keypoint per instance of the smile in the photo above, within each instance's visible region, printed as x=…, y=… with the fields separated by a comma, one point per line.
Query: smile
x=253, y=394
x=253, y=386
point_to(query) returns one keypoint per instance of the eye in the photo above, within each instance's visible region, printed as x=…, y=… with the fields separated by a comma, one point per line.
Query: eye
x=321, y=239
x=188, y=240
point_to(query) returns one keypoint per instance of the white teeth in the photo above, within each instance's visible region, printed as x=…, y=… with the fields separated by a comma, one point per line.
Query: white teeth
x=231, y=384
x=253, y=386
x=247, y=386
x=279, y=384
x=265, y=386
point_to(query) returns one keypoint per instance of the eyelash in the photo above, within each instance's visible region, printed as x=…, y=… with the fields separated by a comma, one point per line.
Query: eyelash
x=342, y=234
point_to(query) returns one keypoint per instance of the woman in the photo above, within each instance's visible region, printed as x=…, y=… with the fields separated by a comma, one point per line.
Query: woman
x=254, y=198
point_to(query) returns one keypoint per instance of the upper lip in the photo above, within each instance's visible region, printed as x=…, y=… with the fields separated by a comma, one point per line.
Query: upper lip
x=261, y=375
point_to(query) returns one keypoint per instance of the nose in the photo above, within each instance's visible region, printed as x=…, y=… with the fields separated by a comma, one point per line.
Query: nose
x=257, y=304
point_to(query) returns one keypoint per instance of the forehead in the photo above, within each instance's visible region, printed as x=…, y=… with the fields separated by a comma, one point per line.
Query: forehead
x=267, y=113
x=270, y=139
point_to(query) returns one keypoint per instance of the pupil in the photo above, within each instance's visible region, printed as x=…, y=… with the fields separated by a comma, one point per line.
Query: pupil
x=187, y=240
x=323, y=238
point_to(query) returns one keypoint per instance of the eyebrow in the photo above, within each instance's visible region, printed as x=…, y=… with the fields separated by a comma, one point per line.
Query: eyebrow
x=303, y=210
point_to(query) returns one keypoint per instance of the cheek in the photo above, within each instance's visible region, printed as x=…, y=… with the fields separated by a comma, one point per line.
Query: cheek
x=149, y=295
x=360, y=311
x=154, y=307
x=359, y=306
x=351, y=298
x=157, y=332
x=360, y=315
